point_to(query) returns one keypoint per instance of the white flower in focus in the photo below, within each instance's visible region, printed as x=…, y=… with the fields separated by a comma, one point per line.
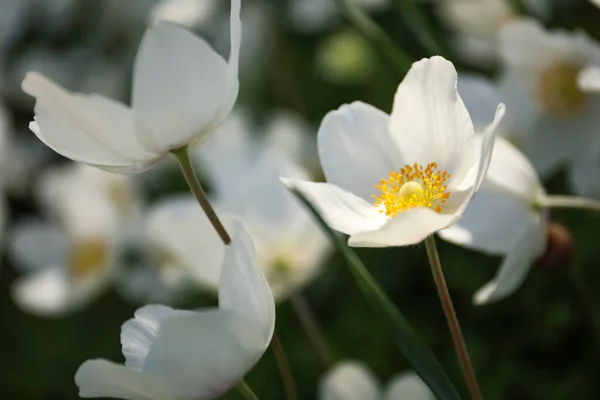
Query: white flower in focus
x=69, y=257
x=540, y=85
x=175, y=354
x=182, y=90
x=505, y=219
x=351, y=380
x=393, y=180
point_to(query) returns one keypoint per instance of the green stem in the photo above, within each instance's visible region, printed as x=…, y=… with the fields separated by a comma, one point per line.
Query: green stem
x=312, y=329
x=412, y=17
x=587, y=298
x=457, y=337
x=245, y=390
x=569, y=202
x=364, y=24
x=187, y=169
x=284, y=368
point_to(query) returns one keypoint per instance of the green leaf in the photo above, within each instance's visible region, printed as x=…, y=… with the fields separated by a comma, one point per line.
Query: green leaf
x=410, y=343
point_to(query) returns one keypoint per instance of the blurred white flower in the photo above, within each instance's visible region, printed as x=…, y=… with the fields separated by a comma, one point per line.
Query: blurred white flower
x=351, y=380
x=504, y=219
x=539, y=84
x=423, y=159
x=69, y=257
x=182, y=90
x=177, y=354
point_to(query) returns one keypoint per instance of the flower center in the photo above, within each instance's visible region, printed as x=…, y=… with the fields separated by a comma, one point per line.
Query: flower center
x=87, y=257
x=413, y=187
x=558, y=92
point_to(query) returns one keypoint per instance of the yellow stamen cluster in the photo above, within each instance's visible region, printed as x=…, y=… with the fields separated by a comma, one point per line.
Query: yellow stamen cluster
x=87, y=257
x=558, y=92
x=413, y=186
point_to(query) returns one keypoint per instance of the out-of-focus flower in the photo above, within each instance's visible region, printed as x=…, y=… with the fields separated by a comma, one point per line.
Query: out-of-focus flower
x=69, y=257
x=182, y=90
x=189, y=13
x=394, y=180
x=345, y=57
x=177, y=354
x=539, y=84
x=351, y=380
x=504, y=219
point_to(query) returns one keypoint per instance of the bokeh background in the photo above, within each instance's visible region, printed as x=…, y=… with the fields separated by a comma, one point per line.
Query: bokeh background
x=538, y=343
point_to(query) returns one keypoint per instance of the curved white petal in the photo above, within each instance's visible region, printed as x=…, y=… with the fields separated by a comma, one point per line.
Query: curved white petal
x=203, y=354
x=487, y=145
x=481, y=97
x=409, y=227
x=589, y=79
x=86, y=128
x=180, y=228
x=584, y=174
x=407, y=386
x=349, y=380
x=35, y=244
x=243, y=288
x=101, y=378
x=528, y=244
x=182, y=89
x=356, y=149
x=489, y=222
x=343, y=211
x=429, y=121
x=139, y=333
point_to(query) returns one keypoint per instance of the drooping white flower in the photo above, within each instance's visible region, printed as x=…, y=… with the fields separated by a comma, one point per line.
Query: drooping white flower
x=175, y=354
x=540, y=86
x=182, y=90
x=394, y=180
x=69, y=257
x=351, y=380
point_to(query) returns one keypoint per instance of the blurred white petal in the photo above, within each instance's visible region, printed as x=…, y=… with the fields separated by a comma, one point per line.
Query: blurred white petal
x=349, y=380
x=408, y=386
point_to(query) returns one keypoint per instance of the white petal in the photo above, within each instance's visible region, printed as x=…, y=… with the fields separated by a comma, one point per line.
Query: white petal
x=487, y=145
x=512, y=171
x=429, y=121
x=356, y=149
x=408, y=386
x=584, y=174
x=521, y=38
x=589, y=79
x=34, y=244
x=481, y=97
x=101, y=378
x=243, y=288
x=182, y=88
x=202, y=355
x=46, y=293
x=139, y=333
x=528, y=245
x=188, y=13
x=342, y=210
x=85, y=128
x=409, y=227
x=489, y=222
x=349, y=380
x=179, y=227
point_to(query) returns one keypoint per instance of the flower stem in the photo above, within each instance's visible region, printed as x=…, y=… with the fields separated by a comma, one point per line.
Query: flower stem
x=245, y=390
x=457, y=337
x=587, y=298
x=284, y=368
x=312, y=329
x=187, y=169
x=569, y=202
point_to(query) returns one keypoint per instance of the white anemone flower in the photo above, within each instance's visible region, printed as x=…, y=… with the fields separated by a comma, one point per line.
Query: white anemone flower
x=505, y=218
x=176, y=354
x=182, y=90
x=393, y=180
x=70, y=256
x=351, y=380
x=540, y=85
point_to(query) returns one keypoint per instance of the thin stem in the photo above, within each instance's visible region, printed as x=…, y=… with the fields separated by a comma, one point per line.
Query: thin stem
x=457, y=337
x=569, y=202
x=284, y=368
x=245, y=390
x=587, y=298
x=372, y=32
x=313, y=330
x=187, y=169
